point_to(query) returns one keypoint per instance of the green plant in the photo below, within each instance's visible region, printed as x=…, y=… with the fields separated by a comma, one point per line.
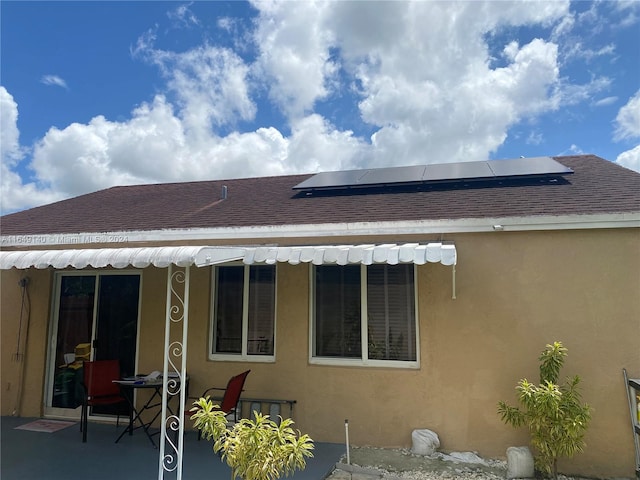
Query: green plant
x=258, y=449
x=554, y=414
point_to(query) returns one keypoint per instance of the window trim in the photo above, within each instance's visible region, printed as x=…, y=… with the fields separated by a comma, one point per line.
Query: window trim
x=243, y=356
x=365, y=361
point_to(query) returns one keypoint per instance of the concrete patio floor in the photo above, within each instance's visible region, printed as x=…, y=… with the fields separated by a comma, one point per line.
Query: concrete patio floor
x=27, y=455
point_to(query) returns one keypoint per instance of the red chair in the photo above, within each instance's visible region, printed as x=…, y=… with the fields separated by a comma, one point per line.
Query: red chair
x=231, y=396
x=99, y=389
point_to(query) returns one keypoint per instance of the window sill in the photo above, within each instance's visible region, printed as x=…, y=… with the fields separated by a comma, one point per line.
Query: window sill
x=358, y=362
x=242, y=358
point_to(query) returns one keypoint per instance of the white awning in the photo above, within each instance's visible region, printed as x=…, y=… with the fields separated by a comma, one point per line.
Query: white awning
x=119, y=257
x=353, y=254
x=212, y=255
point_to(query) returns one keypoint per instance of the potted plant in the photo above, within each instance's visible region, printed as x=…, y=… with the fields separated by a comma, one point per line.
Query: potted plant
x=258, y=449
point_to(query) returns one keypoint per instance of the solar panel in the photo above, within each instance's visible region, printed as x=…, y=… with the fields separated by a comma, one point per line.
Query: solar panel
x=436, y=172
x=379, y=176
x=528, y=166
x=332, y=179
x=457, y=171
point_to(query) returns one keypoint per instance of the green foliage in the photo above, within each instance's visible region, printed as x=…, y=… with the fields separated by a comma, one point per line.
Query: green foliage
x=258, y=449
x=554, y=414
x=551, y=361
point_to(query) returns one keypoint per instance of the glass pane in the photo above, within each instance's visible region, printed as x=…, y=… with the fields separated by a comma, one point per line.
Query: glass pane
x=262, y=299
x=118, y=320
x=115, y=338
x=228, y=310
x=337, y=312
x=391, y=312
x=117, y=328
x=75, y=321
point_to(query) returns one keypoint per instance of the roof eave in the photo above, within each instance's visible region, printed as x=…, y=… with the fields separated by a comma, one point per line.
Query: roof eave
x=326, y=230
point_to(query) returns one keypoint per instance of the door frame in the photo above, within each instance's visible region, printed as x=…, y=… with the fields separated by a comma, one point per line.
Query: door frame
x=52, y=336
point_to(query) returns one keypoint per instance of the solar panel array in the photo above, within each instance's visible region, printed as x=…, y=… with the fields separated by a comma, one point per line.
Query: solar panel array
x=437, y=172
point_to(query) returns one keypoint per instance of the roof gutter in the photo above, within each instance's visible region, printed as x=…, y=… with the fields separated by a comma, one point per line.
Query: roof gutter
x=326, y=230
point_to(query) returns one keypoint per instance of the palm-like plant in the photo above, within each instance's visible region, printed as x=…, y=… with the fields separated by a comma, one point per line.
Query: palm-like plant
x=554, y=414
x=258, y=449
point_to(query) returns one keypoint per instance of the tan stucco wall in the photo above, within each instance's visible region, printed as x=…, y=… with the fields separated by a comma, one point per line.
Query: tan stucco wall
x=516, y=292
x=23, y=368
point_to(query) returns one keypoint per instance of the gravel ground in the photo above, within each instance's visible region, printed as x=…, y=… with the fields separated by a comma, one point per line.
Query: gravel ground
x=400, y=464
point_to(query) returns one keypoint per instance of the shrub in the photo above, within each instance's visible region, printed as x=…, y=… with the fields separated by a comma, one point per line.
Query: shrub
x=258, y=449
x=554, y=414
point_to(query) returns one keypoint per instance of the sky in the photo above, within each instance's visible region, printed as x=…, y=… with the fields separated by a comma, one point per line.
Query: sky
x=97, y=94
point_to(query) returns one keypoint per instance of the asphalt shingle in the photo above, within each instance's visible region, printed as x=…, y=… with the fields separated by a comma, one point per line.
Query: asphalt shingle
x=597, y=186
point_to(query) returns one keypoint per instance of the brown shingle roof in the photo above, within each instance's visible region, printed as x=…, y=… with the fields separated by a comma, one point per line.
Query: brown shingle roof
x=597, y=186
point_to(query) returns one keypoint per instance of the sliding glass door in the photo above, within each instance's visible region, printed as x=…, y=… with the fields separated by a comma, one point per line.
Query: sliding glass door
x=95, y=318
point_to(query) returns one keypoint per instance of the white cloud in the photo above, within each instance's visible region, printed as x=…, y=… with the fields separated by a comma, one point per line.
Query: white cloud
x=630, y=12
x=294, y=54
x=576, y=150
x=424, y=76
x=154, y=146
x=10, y=150
x=103, y=153
x=572, y=150
x=591, y=16
x=461, y=119
x=578, y=50
x=182, y=16
x=564, y=27
x=627, y=127
x=567, y=93
x=316, y=145
x=18, y=195
x=210, y=84
x=630, y=159
x=605, y=102
x=422, y=73
x=54, y=80
x=628, y=119
x=534, y=138
x=14, y=192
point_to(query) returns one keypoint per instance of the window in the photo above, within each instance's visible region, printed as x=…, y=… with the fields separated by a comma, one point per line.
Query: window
x=243, y=313
x=365, y=315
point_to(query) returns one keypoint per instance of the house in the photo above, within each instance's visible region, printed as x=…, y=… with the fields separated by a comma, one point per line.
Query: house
x=402, y=298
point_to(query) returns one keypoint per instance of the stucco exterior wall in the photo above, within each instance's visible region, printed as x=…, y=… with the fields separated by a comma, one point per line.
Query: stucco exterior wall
x=23, y=367
x=516, y=292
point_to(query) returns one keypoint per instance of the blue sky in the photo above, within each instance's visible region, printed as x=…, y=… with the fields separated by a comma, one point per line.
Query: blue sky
x=96, y=94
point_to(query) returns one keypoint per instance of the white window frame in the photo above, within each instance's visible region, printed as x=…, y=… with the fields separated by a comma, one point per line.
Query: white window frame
x=365, y=361
x=244, y=356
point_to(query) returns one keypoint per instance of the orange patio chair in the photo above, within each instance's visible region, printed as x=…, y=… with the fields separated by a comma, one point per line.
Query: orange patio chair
x=99, y=389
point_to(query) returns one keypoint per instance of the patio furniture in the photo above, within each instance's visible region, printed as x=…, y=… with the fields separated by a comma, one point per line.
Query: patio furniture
x=272, y=405
x=99, y=389
x=231, y=397
x=154, y=402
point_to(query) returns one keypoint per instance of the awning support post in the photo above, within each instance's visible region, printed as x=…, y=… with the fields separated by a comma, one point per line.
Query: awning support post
x=175, y=363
